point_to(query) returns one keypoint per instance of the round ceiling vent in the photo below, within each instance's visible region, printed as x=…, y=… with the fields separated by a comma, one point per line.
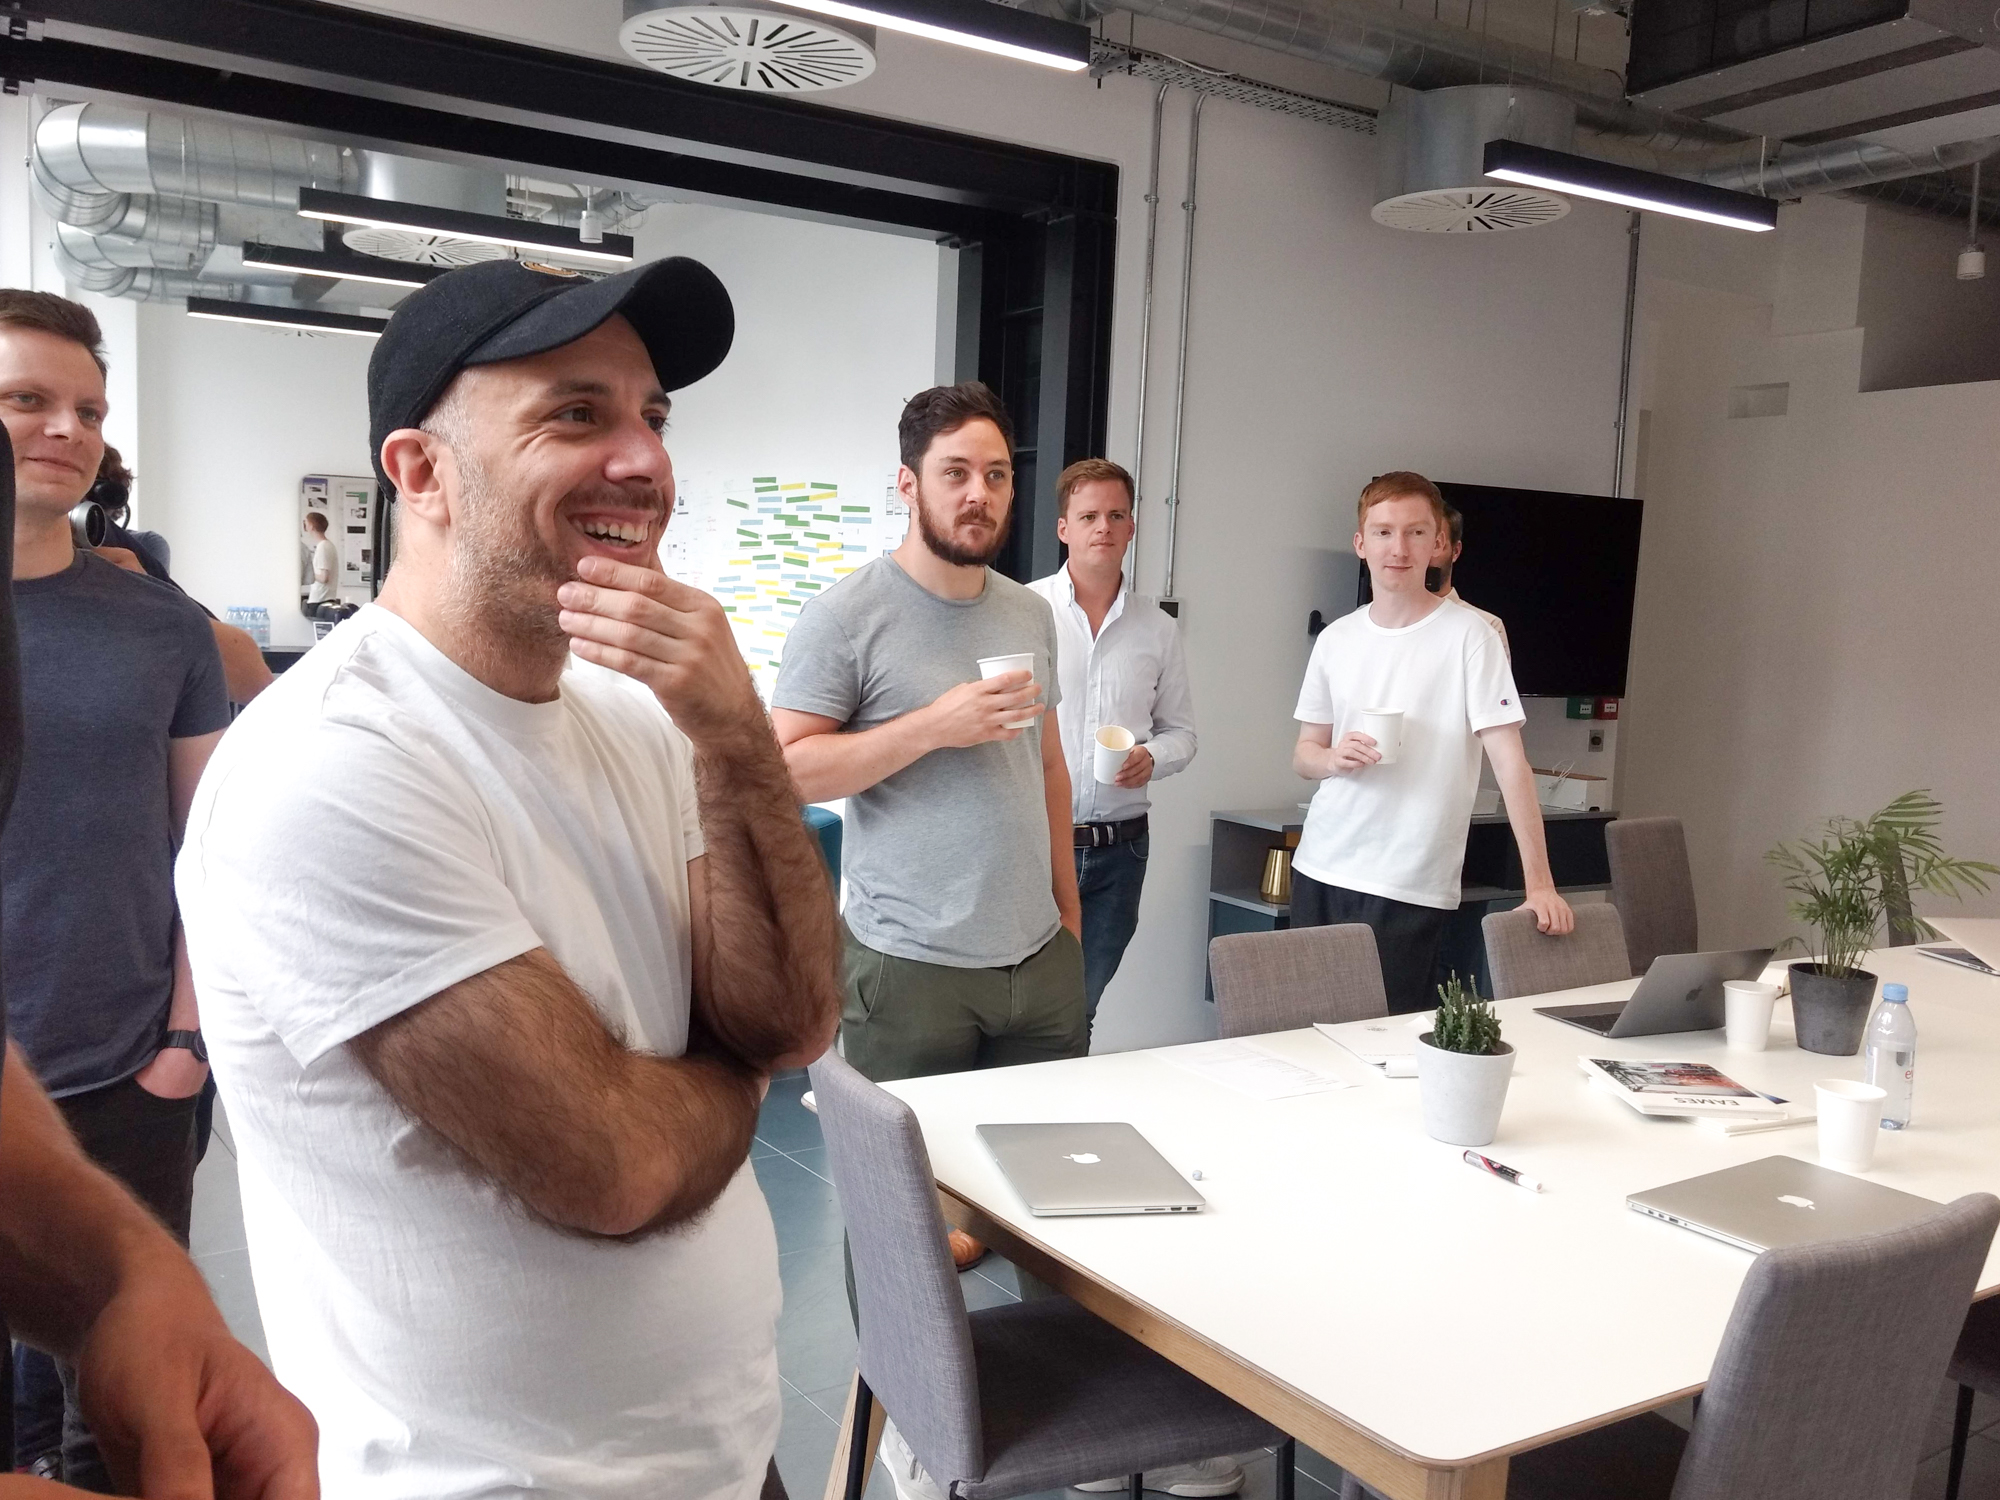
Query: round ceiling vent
x=747, y=47
x=1475, y=210
x=417, y=245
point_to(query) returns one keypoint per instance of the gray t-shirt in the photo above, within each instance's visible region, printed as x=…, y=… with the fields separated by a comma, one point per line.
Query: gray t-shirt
x=947, y=861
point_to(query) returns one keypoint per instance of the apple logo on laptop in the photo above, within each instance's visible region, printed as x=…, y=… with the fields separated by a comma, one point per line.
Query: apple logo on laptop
x=1796, y=1201
x=1083, y=1158
x=1692, y=995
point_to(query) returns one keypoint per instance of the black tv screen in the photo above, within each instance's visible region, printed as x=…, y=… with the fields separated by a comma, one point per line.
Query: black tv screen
x=1559, y=570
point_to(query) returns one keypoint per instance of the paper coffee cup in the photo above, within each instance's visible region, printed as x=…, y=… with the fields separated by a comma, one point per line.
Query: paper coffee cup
x=1114, y=743
x=1385, y=727
x=1850, y=1122
x=1019, y=661
x=1747, y=1004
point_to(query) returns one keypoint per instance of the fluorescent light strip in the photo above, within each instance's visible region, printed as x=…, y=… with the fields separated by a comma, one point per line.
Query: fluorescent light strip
x=889, y=21
x=323, y=266
x=568, y=252
x=266, y=316
x=1564, y=185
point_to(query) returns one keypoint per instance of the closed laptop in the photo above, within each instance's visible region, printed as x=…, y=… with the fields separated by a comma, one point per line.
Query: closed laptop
x=1780, y=1201
x=1088, y=1169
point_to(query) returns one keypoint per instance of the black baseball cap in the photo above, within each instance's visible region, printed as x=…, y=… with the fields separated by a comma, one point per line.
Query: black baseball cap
x=499, y=310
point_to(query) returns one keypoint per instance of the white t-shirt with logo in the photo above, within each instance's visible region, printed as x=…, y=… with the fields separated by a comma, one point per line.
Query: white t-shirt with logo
x=377, y=826
x=1399, y=830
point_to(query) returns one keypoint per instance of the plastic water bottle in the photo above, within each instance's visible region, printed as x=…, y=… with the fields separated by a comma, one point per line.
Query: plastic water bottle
x=1891, y=1048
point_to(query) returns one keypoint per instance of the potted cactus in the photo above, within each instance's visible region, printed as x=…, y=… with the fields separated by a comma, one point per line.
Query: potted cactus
x=1843, y=884
x=1463, y=1067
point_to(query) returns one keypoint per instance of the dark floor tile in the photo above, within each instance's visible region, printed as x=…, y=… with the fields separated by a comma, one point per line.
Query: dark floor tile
x=1982, y=1473
x=803, y=1207
x=783, y=1122
x=217, y=1219
x=1321, y=1470
x=814, y=1161
x=815, y=1330
x=1001, y=1273
x=980, y=1292
x=1937, y=1436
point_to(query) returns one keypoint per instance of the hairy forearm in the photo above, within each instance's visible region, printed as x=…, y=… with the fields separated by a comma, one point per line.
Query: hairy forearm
x=516, y=1069
x=825, y=767
x=769, y=989
x=69, y=1234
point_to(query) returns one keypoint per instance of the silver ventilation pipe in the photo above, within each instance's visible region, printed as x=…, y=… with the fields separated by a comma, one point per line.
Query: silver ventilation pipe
x=1933, y=195
x=91, y=152
x=84, y=265
x=1839, y=166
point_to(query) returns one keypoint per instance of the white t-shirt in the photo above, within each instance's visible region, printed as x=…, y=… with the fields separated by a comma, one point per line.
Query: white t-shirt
x=324, y=560
x=1399, y=830
x=376, y=827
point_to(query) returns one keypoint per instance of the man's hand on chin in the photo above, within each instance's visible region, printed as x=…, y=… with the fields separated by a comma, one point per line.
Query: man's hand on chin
x=674, y=638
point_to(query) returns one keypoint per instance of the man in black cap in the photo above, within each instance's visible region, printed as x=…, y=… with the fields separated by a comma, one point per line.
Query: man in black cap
x=497, y=957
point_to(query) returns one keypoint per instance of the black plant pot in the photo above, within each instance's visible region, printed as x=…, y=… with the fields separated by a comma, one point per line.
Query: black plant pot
x=1830, y=1011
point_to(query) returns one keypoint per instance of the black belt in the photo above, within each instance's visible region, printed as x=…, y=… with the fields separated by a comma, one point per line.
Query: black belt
x=1104, y=835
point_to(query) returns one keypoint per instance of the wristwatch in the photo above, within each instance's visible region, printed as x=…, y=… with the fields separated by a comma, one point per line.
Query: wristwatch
x=190, y=1040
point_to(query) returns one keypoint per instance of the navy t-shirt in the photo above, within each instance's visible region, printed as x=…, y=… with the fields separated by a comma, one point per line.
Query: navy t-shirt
x=113, y=665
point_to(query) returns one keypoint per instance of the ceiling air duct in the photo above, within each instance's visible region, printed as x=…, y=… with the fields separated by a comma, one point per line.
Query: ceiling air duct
x=1431, y=174
x=431, y=184
x=769, y=49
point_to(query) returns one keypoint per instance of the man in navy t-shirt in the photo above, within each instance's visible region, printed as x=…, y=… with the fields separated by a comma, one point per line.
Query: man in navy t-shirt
x=122, y=699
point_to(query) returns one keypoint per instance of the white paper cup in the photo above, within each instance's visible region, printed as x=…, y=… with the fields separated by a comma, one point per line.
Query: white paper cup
x=1114, y=743
x=1019, y=661
x=1385, y=727
x=1850, y=1122
x=1747, y=1003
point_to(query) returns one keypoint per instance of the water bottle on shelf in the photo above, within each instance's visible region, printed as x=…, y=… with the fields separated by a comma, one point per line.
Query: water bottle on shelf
x=1891, y=1048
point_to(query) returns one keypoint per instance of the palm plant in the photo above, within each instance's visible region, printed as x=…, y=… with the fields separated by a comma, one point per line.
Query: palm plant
x=1859, y=870
x=1464, y=1022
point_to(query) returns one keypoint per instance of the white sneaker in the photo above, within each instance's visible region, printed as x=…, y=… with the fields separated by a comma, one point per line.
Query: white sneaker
x=911, y=1482
x=1203, y=1477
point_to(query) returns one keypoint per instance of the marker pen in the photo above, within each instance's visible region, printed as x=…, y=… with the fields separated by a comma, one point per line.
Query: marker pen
x=1504, y=1173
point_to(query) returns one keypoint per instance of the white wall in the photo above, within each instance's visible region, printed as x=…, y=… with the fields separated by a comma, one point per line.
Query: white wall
x=1815, y=631
x=1922, y=325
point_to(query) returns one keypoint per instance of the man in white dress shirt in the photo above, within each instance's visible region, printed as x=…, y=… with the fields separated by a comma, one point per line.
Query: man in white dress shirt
x=1119, y=661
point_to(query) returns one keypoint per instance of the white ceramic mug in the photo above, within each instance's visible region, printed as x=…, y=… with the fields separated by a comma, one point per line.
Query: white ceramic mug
x=1747, y=1004
x=1114, y=743
x=1385, y=727
x=1850, y=1122
x=1019, y=661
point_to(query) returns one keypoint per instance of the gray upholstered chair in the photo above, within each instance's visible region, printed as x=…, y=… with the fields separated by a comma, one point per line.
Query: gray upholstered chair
x=1652, y=886
x=1279, y=981
x=1822, y=1387
x=1975, y=1365
x=1009, y=1400
x=1523, y=961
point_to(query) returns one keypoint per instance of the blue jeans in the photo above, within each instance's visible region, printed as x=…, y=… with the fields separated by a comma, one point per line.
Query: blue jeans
x=1108, y=880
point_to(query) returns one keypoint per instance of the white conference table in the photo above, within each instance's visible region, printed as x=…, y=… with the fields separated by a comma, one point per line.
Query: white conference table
x=1415, y=1320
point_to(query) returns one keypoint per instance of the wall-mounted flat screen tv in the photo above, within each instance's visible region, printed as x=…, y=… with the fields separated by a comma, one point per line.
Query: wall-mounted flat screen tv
x=1560, y=571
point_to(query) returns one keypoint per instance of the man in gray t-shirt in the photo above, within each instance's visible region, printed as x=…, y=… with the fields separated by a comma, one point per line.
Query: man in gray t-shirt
x=962, y=911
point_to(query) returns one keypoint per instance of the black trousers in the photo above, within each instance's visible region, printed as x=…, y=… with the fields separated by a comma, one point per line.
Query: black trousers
x=1407, y=937
x=147, y=1143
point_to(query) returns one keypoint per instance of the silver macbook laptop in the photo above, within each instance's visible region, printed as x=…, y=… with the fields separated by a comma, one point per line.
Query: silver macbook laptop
x=1681, y=992
x=1087, y=1169
x=1779, y=1201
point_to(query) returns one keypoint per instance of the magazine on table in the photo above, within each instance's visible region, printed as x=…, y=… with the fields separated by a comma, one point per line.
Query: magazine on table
x=1677, y=1088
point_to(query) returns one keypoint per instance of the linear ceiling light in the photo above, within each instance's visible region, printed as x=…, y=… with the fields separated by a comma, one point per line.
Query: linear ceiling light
x=457, y=224
x=307, y=319
x=980, y=24
x=338, y=266
x=1512, y=161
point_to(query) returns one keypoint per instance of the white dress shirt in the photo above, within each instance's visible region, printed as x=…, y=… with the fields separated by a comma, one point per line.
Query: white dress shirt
x=1133, y=674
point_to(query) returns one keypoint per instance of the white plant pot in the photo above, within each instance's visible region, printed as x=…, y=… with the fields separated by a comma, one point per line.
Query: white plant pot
x=1462, y=1092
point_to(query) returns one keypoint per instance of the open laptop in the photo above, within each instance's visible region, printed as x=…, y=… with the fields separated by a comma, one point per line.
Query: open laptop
x=1066, y=1170
x=1779, y=1201
x=1977, y=937
x=1681, y=992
